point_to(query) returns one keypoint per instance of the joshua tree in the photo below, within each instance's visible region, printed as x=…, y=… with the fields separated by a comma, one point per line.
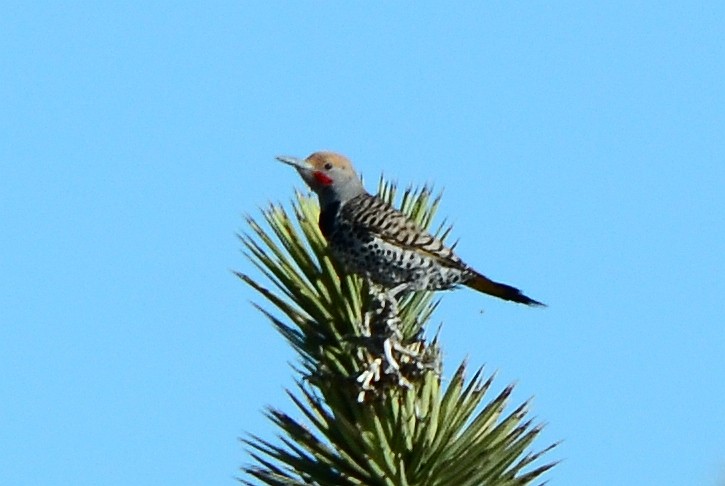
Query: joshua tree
x=372, y=402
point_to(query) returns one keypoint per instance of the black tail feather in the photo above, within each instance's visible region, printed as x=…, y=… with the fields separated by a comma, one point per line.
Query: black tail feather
x=500, y=290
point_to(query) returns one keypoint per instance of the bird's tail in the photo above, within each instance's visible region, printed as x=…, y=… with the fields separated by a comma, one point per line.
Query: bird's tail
x=502, y=291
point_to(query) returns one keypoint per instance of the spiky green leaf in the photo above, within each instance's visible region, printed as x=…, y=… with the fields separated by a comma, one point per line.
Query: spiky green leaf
x=420, y=434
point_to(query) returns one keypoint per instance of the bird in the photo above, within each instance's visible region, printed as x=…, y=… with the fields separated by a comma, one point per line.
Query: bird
x=371, y=238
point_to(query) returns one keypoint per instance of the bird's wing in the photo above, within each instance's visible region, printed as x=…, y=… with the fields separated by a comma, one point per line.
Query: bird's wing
x=370, y=213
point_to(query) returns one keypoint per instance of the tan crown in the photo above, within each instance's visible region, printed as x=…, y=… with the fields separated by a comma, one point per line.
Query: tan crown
x=319, y=161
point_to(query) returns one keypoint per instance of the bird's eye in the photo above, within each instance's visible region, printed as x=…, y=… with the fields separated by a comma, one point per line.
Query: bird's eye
x=328, y=166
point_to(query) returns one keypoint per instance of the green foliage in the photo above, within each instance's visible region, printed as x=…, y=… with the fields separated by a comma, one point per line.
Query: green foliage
x=420, y=434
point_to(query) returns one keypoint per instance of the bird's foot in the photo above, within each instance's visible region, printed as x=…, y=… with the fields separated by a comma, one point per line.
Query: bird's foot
x=386, y=300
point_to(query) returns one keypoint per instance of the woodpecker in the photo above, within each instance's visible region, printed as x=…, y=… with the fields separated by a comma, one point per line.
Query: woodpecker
x=369, y=237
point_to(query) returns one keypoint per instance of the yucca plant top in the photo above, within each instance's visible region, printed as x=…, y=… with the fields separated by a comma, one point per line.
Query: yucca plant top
x=372, y=407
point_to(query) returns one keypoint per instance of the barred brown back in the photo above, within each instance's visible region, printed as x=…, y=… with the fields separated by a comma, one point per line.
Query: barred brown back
x=371, y=238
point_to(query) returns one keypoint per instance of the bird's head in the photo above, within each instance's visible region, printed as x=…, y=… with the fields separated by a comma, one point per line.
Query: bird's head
x=330, y=175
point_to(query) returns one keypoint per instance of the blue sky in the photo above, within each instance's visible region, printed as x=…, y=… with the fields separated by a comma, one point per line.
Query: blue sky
x=580, y=147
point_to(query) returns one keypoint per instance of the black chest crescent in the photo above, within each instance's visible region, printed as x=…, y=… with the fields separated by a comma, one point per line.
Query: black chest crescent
x=328, y=219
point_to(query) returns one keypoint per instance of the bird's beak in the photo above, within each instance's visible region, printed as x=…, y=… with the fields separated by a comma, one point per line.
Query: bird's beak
x=299, y=164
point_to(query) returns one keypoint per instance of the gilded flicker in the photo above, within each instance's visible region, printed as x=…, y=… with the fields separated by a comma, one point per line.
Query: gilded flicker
x=371, y=238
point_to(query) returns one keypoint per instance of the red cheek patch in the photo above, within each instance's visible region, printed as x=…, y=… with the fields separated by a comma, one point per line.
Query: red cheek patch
x=322, y=178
